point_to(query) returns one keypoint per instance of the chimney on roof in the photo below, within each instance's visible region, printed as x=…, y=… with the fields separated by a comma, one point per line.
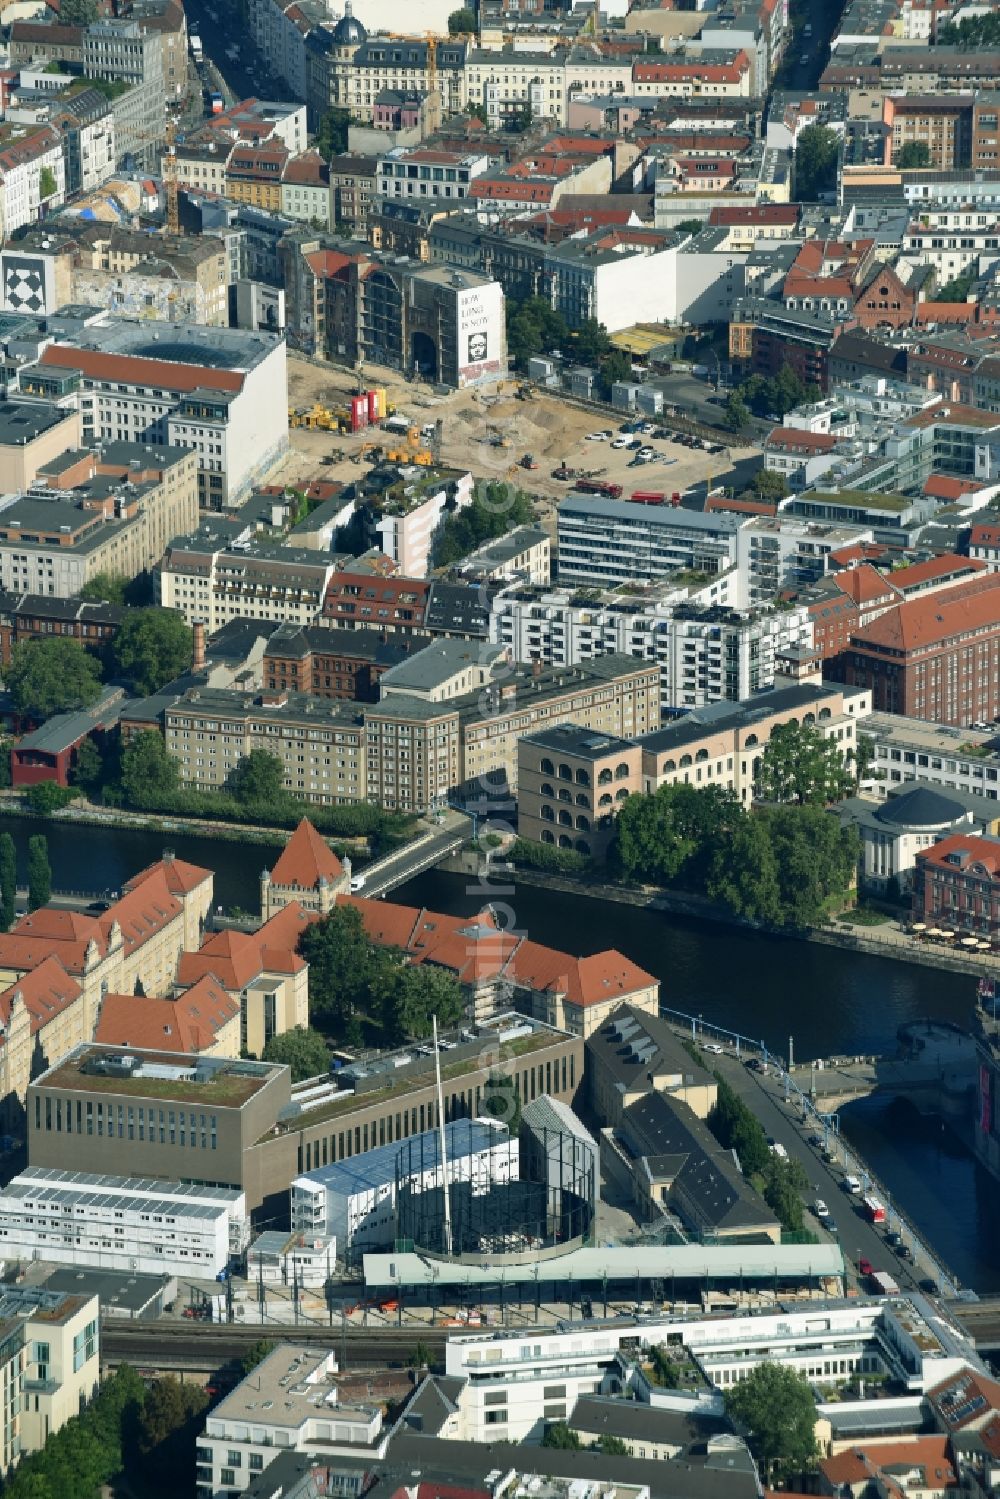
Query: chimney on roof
x=198, y=657
x=536, y=667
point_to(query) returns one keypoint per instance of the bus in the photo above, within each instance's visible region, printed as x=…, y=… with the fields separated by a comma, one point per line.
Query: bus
x=874, y=1209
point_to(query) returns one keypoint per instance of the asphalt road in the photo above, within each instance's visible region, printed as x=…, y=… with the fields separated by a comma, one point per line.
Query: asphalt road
x=221, y=24
x=856, y=1236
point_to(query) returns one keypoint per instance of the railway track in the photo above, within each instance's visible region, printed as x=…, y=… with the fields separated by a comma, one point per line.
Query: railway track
x=164, y=1346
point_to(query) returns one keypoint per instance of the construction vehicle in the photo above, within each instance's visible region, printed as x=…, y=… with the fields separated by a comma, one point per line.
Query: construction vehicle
x=599, y=486
x=320, y=418
x=496, y=438
x=525, y=392
x=529, y=461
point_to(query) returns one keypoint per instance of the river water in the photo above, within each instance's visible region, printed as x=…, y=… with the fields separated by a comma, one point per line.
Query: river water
x=829, y=1000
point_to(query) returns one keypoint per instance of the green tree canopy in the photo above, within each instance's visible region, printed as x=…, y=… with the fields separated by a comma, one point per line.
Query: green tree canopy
x=152, y=647
x=78, y=12
x=346, y=970
x=737, y=412
x=816, y=152
x=8, y=880
x=744, y=875
x=816, y=859
x=667, y=838
x=52, y=676
x=105, y=588
x=332, y=135
x=170, y=1420
x=496, y=507
x=258, y=779
x=775, y=1406
x=46, y=797
x=690, y=226
x=959, y=287
x=302, y=1049
x=500, y=1100
x=914, y=155
x=88, y=766
x=975, y=33
x=39, y=872
x=769, y=485
x=737, y=1128
x=612, y=1446
x=534, y=327
x=256, y=1354
x=462, y=22
x=410, y=995
x=561, y=1437
x=148, y=771
x=800, y=765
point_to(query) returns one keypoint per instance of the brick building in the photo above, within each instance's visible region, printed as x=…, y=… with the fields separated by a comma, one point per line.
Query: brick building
x=34, y=616
x=331, y=663
x=956, y=884
x=935, y=658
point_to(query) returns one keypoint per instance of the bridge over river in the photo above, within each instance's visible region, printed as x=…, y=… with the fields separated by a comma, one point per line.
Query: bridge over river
x=934, y=1068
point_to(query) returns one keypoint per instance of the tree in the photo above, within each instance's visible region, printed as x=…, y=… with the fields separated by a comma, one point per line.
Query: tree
x=332, y=135
x=422, y=1356
x=78, y=12
x=915, y=155
x=690, y=226
x=462, y=22
x=669, y=838
x=104, y=588
x=783, y=1185
x=8, y=881
x=46, y=797
x=615, y=367
x=612, y=1446
x=39, y=872
x=410, y=995
x=737, y=1128
x=591, y=342
x=816, y=861
x=88, y=767
x=663, y=1368
x=302, y=1049
x=519, y=120
x=561, y=1437
x=744, y=875
x=344, y=969
x=167, y=1426
x=800, y=765
x=256, y=1354
x=958, y=289
x=149, y=773
x=47, y=184
x=775, y=1406
x=737, y=413
x=52, y=676
x=152, y=647
x=258, y=779
x=496, y=507
x=816, y=152
x=768, y=485
x=864, y=758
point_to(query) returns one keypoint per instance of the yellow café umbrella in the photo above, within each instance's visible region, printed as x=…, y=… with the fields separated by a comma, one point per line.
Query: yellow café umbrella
x=970, y=942
x=919, y=926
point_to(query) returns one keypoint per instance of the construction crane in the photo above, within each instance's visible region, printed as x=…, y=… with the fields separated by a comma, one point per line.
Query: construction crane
x=169, y=171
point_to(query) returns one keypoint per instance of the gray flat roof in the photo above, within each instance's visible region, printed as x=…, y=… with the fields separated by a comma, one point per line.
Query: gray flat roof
x=113, y=1288
x=22, y=421
x=621, y=1262
x=663, y=516
x=723, y=716
x=572, y=738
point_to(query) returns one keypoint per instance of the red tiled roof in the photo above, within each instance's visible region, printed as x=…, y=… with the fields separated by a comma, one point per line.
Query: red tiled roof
x=180, y=876
x=131, y=370
x=859, y=1465
x=305, y=860
x=924, y=622
x=981, y=851
x=968, y=1398
x=760, y=213
x=189, y=1023
x=798, y=440
x=944, y=487
x=859, y=551
x=864, y=584
x=983, y=534
x=906, y=579
x=47, y=991
x=237, y=958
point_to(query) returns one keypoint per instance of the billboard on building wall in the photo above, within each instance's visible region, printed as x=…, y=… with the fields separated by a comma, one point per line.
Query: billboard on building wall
x=480, y=333
x=28, y=283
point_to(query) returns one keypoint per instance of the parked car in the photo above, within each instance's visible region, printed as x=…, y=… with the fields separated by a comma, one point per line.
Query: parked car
x=620, y=442
x=930, y=1285
x=820, y=1208
x=852, y=1185
x=714, y=1048
x=646, y=453
x=865, y=1266
x=596, y=437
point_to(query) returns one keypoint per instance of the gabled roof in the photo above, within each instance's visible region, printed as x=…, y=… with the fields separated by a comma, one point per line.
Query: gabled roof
x=189, y=1023
x=921, y=623
x=181, y=877
x=865, y=585
x=47, y=991
x=306, y=860
x=237, y=958
x=968, y=1399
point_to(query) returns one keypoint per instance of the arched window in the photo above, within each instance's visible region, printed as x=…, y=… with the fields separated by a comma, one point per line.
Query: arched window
x=565, y=772
x=546, y=789
x=668, y=766
x=583, y=824
x=548, y=815
x=565, y=819
x=825, y=713
x=605, y=800
x=701, y=755
x=564, y=795
x=621, y=770
x=622, y=795
x=685, y=761
x=547, y=768
x=548, y=837
x=604, y=778
x=582, y=846
x=565, y=842
x=809, y=718
x=583, y=778
x=582, y=799
x=751, y=739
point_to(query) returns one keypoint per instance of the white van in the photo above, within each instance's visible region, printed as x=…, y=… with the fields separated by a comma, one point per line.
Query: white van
x=852, y=1185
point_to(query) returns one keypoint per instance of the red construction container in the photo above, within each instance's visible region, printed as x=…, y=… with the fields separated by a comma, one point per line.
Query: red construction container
x=648, y=497
x=373, y=406
x=359, y=413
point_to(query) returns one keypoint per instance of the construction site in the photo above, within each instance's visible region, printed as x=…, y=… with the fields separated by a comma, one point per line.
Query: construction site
x=512, y=432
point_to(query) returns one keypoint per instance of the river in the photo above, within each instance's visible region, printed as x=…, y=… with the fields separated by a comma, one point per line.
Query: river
x=830, y=1000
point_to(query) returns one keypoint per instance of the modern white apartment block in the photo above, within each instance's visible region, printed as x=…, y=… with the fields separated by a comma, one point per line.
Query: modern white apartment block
x=290, y=1403
x=209, y=389
x=606, y=542
x=515, y=1383
x=121, y=1223
x=706, y=650
x=781, y=551
x=50, y=1364
x=411, y=512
